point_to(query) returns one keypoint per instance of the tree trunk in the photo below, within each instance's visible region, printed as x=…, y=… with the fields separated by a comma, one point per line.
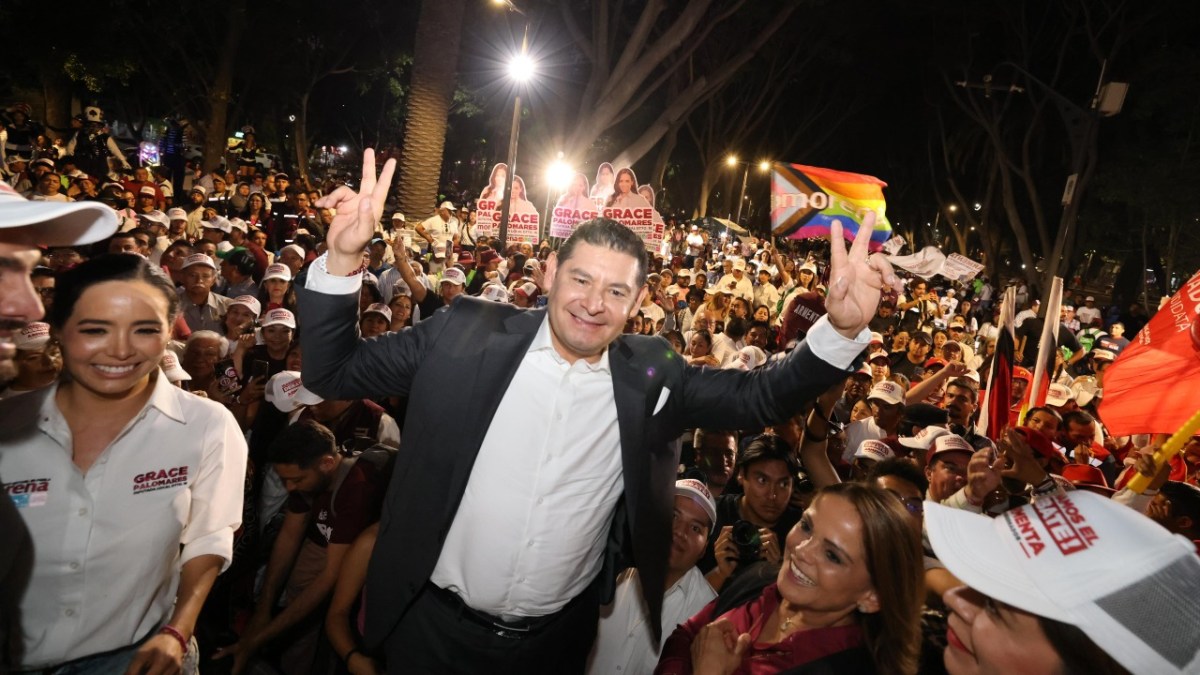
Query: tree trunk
x=216, y=130
x=435, y=73
x=300, y=136
x=56, y=92
x=664, y=155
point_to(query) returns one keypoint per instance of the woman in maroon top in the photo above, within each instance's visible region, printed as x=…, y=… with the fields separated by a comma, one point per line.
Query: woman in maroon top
x=849, y=594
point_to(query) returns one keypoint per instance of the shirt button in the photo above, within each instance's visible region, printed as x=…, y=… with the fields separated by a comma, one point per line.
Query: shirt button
x=529, y=545
x=69, y=612
x=74, y=565
x=83, y=512
x=558, y=416
x=541, y=500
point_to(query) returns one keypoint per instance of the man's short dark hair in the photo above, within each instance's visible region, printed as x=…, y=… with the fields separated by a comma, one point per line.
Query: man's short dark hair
x=964, y=383
x=1185, y=501
x=1044, y=409
x=901, y=468
x=695, y=294
x=1076, y=417
x=151, y=238
x=609, y=234
x=768, y=447
x=923, y=415
x=40, y=272
x=303, y=444
x=736, y=328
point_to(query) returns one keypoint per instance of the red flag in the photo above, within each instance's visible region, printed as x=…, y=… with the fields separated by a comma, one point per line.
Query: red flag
x=1152, y=385
x=993, y=418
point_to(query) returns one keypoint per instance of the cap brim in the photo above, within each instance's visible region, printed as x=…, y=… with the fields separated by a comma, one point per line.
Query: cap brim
x=971, y=547
x=56, y=223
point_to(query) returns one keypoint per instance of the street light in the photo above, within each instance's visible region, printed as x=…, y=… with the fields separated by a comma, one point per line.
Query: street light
x=520, y=69
x=732, y=161
x=558, y=178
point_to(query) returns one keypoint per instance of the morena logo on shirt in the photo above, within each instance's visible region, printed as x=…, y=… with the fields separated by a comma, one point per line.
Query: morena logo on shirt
x=160, y=479
x=29, y=492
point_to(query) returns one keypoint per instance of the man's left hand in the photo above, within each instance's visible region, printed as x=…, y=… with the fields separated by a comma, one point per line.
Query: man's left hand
x=160, y=655
x=856, y=279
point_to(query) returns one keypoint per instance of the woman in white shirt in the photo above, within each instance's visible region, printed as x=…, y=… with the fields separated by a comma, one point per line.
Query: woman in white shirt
x=131, y=488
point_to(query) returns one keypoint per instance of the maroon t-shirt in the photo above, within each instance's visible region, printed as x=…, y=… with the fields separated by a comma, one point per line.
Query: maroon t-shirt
x=359, y=500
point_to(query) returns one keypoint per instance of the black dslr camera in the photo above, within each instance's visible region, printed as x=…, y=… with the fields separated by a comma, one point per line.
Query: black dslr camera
x=746, y=537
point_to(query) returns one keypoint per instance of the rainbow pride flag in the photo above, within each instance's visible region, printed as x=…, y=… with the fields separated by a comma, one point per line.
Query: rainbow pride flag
x=805, y=200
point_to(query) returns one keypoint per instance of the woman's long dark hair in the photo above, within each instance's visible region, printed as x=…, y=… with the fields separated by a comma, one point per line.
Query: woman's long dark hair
x=70, y=285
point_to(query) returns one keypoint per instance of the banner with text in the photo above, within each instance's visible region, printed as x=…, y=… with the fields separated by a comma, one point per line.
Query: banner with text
x=616, y=195
x=523, y=218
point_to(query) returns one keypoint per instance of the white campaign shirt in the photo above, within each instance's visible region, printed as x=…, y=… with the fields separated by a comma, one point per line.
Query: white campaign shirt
x=624, y=642
x=109, y=544
x=439, y=229
x=534, y=518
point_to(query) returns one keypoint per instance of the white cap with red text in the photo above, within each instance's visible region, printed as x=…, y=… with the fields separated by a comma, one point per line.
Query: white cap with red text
x=1087, y=561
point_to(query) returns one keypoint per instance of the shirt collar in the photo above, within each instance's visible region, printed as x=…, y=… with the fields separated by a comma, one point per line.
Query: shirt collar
x=162, y=398
x=543, y=343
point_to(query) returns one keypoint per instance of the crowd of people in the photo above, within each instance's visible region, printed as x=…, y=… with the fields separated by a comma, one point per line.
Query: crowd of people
x=269, y=427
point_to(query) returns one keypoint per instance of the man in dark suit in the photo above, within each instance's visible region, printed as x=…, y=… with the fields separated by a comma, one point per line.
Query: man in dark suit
x=516, y=493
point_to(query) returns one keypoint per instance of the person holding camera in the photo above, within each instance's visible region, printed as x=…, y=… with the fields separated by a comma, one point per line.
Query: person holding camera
x=751, y=525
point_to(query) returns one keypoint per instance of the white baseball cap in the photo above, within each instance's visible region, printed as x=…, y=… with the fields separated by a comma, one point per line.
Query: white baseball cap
x=156, y=216
x=455, y=276
x=739, y=264
x=279, y=316
x=278, y=271
x=699, y=493
x=287, y=392
x=494, y=292
x=748, y=358
x=949, y=443
x=1059, y=394
x=52, y=223
x=198, y=259
x=924, y=438
x=177, y=214
x=874, y=450
x=217, y=223
x=888, y=392
x=35, y=335
x=1087, y=561
x=401, y=288
x=171, y=368
x=249, y=302
x=380, y=309
x=446, y=205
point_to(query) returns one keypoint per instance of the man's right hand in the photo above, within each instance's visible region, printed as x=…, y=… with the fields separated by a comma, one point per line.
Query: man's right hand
x=357, y=212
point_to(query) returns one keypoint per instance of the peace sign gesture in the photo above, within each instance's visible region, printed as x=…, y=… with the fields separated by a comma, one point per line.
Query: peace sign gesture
x=357, y=213
x=856, y=279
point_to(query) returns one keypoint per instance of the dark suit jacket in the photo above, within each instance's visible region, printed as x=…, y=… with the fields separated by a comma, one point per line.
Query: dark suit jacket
x=456, y=366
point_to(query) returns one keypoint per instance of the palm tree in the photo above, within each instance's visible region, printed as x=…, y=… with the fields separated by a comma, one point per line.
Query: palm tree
x=434, y=77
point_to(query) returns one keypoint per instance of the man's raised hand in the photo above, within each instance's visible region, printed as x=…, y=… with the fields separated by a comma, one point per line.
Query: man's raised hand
x=856, y=279
x=357, y=213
